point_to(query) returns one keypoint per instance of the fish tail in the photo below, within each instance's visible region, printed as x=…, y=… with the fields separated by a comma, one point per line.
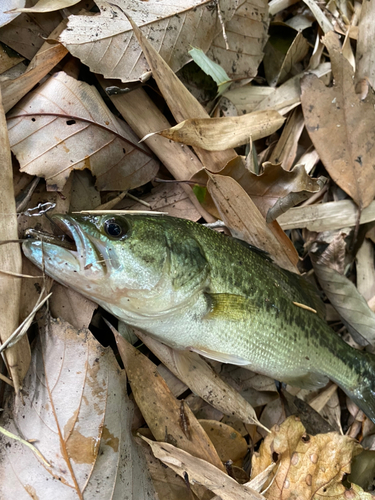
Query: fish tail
x=363, y=394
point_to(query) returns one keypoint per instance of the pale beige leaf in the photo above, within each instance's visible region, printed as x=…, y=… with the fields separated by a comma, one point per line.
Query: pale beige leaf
x=197, y=374
x=240, y=214
x=340, y=114
x=46, y=58
x=199, y=471
x=65, y=125
x=10, y=5
x=170, y=198
x=18, y=356
x=219, y=134
x=365, y=57
x=75, y=406
x=326, y=216
x=71, y=306
x=107, y=45
x=48, y=6
x=246, y=35
x=365, y=270
x=321, y=18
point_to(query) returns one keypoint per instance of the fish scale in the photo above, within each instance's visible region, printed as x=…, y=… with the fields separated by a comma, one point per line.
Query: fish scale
x=193, y=288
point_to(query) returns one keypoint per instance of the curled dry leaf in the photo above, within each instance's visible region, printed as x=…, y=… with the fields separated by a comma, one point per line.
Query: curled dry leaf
x=48, y=6
x=65, y=125
x=307, y=466
x=340, y=114
x=197, y=374
x=76, y=408
x=167, y=418
x=219, y=134
x=348, y=302
x=204, y=473
x=246, y=35
x=107, y=45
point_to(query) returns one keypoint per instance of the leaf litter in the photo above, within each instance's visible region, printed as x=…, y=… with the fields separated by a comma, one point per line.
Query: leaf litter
x=268, y=181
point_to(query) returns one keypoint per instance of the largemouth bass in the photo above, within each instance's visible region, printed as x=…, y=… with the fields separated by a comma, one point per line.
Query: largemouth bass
x=193, y=288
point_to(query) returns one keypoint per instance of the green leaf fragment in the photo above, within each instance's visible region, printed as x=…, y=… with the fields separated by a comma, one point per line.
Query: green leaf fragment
x=214, y=70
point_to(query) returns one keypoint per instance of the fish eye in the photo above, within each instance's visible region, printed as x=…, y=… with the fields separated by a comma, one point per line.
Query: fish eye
x=115, y=229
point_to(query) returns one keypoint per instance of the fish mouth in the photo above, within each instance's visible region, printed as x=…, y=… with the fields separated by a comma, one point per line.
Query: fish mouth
x=73, y=251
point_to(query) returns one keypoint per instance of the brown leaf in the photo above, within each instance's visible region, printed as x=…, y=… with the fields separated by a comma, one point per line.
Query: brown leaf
x=204, y=473
x=106, y=43
x=65, y=125
x=219, y=134
x=76, y=409
x=307, y=466
x=18, y=356
x=241, y=215
x=339, y=114
x=161, y=410
x=71, y=306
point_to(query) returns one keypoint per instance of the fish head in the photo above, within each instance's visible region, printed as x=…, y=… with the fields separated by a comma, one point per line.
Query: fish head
x=129, y=264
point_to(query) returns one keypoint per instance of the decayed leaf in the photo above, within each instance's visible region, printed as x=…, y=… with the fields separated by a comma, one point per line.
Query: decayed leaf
x=307, y=466
x=18, y=356
x=167, y=418
x=340, y=114
x=202, y=380
x=74, y=405
x=46, y=58
x=229, y=443
x=219, y=134
x=48, y=6
x=107, y=45
x=246, y=36
x=65, y=125
x=277, y=66
x=245, y=221
x=201, y=472
x=348, y=302
x=326, y=216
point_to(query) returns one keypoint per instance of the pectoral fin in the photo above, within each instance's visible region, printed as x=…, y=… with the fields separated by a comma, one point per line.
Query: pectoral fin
x=228, y=307
x=307, y=381
x=221, y=356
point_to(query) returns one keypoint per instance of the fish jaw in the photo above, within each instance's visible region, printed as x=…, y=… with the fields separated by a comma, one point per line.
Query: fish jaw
x=82, y=268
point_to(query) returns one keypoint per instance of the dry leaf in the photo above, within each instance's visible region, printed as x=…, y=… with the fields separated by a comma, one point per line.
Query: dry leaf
x=246, y=34
x=107, y=45
x=229, y=443
x=46, y=58
x=364, y=55
x=307, y=466
x=197, y=374
x=219, y=134
x=65, y=125
x=167, y=418
x=326, y=216
x=48, y=6
x=18, y=356
x=340, y=114
x=10, y=5
x=71, y=306
x=241, y=215
x=201, y=472
x=348, y=302
x=75, y=407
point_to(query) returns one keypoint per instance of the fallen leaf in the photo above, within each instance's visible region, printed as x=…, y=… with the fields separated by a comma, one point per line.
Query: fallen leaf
x=348, y=302
x=307, y=466
x=107, y=45
x=71, y=306
x=229, y=443
x=326, y=216
x=220, y=134
x=45, y=59
x=48, y=6
x=201, y=472
x=18, y=356
x=10, y=5
x=214, y=70
x=340, y=114
x=65, y=125
x=163, y=413
x=246, y=35
x=197, y=374
x=76, y=409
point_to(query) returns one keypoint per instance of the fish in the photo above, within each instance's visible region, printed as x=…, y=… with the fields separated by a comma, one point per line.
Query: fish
x=193, y=288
